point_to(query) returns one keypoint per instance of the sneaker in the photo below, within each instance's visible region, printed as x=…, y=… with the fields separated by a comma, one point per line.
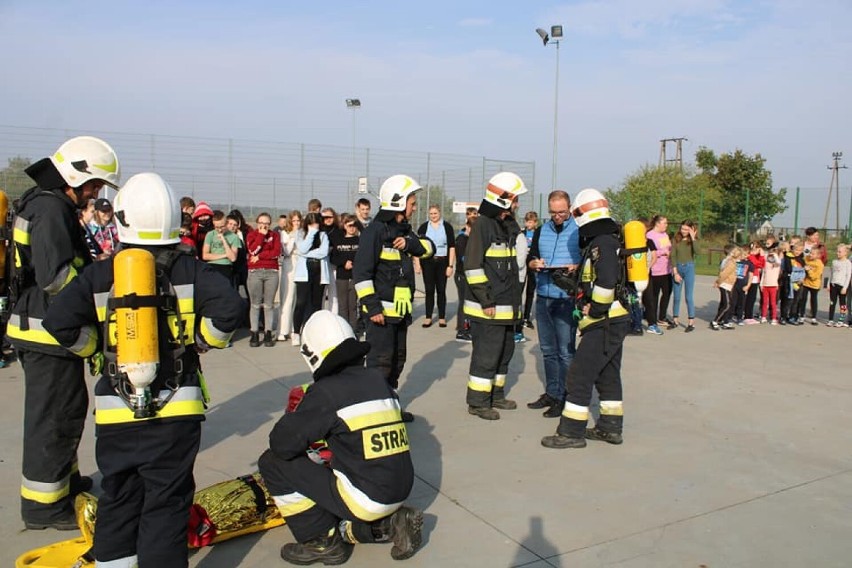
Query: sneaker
x=782, y=321
x=330, y=550
x=283, y=337
x=528, y=324
x=830, y=323
x=406, y=532
x=640, y=332
x=670, y=324
x=653, y=329
x=749, y=321
x=715, y=326
x=773, y=322
x=762, y=320
x=519, y=337
x=560, y=442
x=800, y=321
x=740, y=322
x=728, y=325
x=484, y=412
x=842, y=324
x=609, y=437
x=295, y=339
x=269, y=339
x=689, y=328
x=814, y=321
x=464, y=337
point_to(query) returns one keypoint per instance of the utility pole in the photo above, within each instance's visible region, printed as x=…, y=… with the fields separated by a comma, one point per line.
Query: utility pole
x=834, y=186
x=678, y=159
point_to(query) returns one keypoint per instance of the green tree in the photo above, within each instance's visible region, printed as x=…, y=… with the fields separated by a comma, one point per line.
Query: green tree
x=677, y=194
x=13, y=179
x=734, y=175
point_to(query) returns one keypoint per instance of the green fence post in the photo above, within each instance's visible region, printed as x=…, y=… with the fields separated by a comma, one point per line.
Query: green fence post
x=745, y=229
x=796, y=214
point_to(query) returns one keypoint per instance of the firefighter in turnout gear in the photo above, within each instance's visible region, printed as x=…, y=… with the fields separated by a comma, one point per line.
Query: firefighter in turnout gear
x=493, y=296
x=146, y=450
x=605, y=321
x=358, y=496
x=384, y=276
x=49, y=250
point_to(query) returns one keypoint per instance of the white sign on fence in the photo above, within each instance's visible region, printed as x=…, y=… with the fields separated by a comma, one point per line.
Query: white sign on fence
x=362, y=185
x=461, y=206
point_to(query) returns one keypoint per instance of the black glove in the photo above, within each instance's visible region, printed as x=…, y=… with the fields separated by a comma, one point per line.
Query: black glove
x=566, y=279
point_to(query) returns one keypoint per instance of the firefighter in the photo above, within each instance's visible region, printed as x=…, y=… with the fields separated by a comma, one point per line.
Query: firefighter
x=384, y=276
x=146, y=446
x=49, y=251
x=604, y=324
x=493, y=296
x=358, y=496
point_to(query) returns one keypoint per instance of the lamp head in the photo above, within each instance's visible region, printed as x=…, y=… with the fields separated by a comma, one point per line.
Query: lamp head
x=353, y=103
x=543, y=35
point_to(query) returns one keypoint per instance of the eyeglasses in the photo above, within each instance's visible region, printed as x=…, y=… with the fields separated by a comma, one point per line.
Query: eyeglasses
x=564, y=213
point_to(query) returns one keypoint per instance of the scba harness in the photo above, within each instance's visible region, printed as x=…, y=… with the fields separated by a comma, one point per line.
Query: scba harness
x=166, y=301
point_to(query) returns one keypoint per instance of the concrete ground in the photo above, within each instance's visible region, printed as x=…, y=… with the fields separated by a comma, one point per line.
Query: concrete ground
x=734, y=454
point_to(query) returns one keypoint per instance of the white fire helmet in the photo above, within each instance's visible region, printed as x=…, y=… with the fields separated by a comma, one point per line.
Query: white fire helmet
x=322, y=334
x=147, y=212
x=85, y=158
x=503, y=189
x=590, y=205
x=395, y=191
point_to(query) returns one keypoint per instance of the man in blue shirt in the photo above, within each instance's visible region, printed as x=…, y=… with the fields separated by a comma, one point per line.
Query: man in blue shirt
x=556, y=244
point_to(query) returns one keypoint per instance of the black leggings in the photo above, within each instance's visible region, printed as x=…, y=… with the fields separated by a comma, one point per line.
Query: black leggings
x=655, y=299
x=435, y=279
x=308, y=297
x=834, y=292
x=812, y=294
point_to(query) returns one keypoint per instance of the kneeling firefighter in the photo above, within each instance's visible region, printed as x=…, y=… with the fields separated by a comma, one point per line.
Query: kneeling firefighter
x=359, y=496
x=604, y=323
x=148, y=312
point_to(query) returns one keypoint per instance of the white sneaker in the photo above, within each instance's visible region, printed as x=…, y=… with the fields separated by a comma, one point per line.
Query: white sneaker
x=774, y=322
x=762, y=320
x=296, y=339
x=282, y=337
x=830, y=323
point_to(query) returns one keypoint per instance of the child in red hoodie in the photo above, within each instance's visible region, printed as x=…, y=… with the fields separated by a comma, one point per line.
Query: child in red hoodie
x=758, y=261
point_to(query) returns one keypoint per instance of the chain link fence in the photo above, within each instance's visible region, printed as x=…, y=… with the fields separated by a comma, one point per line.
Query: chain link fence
x=275, y=177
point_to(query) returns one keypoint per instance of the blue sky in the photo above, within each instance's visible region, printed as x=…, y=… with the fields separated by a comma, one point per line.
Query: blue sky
x=456, y=77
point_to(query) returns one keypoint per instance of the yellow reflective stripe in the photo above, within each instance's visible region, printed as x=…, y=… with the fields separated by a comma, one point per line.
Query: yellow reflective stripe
x=213, y=336
x=389, y=309
x=87, y=342
x=46, y=493
x=427, y=244
x=359, y=503
x=479, y=384
x=603, y=295
x=364, y=288
x=78, y=262
x=101, y=299
x=389, y=253
x=476, y=276
x=370, y=413
x=575, y=412
x=292, y=504
x=21, y=231
x=615, y=310
x=35, y=334
x=187, y=401
x=500, y=251
x=65, y=275
x=499, y=380
x=502, y=312
x=612, y=408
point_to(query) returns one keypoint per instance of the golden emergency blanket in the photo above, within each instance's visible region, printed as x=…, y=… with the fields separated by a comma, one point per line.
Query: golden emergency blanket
x=220, y=512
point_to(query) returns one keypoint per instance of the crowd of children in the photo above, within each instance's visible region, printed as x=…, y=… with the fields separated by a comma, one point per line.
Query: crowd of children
x=788, y=276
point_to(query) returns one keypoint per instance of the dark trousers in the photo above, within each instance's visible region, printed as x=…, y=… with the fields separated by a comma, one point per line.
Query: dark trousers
x=834, y=292
x=347, y=302
x=738, y=299
x=55, y=403
x=387, y=349
x=295, y=484
x=461, y=321
x=597, y=364
x=435, y=280
x=807, y=293
x=723, y=314
x=750, y=297
x=657, y=302
x=308, y=300
x=147, y=492
x=493, y=347
x=530, y=295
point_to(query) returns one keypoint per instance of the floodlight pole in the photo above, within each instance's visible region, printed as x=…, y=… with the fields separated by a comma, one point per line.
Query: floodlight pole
x=353, y=105
x=555, y=36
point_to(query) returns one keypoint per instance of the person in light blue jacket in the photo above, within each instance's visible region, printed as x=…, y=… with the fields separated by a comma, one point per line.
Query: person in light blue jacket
x=312, y=272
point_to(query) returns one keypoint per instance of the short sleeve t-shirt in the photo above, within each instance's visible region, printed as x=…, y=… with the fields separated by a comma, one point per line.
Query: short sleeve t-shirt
x=212, y=240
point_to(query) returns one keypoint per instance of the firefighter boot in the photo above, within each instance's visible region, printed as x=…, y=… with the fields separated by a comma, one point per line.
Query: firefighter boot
x=499, y=400
x=483, y=412
x=404, y=529
x=329, y=549
x=607, y=429
x=560, y=442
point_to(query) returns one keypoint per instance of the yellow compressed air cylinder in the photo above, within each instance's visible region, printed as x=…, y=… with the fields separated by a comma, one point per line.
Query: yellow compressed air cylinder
x=137, y=343
x=637, y=263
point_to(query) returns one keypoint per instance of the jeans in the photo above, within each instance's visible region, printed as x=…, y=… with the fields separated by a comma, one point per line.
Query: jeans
x=687, y=281
x=557, y=332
